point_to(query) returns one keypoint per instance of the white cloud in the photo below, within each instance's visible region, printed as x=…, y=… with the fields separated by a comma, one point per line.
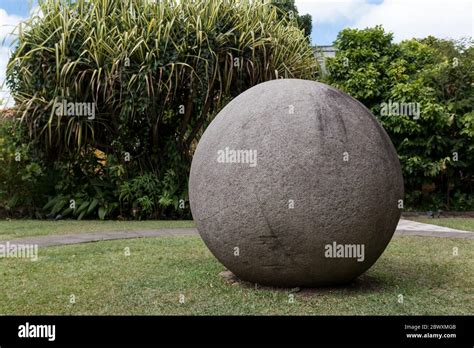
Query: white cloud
x=405, y=18
x=5, y=98
x=327, y=11
x=408, y=19
x=8, y=24
x=8, y=31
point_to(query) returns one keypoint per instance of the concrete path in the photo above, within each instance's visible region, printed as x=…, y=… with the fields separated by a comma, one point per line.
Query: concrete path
x=404, y=228
x=413, y=228
x=65, y=239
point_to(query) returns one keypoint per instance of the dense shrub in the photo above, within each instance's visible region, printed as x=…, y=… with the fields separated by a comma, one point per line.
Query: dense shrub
x=155, y=73
x=23, y=180
x=436, y=146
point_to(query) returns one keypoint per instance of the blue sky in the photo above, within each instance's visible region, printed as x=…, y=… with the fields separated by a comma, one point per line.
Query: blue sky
x=16, y=7
x=405, y=18
x=324, y=33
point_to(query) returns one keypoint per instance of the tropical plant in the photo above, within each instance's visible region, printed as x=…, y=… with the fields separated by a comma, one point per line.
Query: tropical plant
x=155, y=71
x=23, y=178
x=86, y=186
x=154, y=74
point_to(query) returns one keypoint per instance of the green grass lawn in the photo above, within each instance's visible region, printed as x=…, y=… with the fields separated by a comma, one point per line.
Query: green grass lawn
x=465, y=224
x=29, y=228
x=150, y=281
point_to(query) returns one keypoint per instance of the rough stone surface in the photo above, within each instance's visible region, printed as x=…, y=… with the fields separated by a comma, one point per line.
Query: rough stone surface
x=317, y=148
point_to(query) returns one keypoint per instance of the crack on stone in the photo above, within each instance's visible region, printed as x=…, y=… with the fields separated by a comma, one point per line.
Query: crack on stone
x=278, y=244
x=335, y=96
x=273, y=266
x=320, y=124
x=214, y=214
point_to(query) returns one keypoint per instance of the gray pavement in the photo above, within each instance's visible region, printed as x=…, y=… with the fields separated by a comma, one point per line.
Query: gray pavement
x=65, y=239
x=413, y=228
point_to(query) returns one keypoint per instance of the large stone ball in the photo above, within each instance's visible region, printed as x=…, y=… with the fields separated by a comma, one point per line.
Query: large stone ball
x=295, y=183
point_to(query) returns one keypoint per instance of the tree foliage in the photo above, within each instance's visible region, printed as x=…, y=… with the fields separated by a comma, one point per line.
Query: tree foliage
x=289, y=10
x=156, y=72
x=436, y=147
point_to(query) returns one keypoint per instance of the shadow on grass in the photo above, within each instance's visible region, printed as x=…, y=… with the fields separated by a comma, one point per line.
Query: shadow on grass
x=389, y=275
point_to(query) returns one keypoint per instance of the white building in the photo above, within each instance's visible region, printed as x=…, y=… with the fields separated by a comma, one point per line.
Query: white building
x=323, y=52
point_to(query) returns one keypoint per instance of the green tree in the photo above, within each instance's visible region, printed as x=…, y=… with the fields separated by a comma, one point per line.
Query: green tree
x=289, y=10
x=435, y=146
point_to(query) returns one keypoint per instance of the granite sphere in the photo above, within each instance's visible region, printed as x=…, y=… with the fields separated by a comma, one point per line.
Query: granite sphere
x=295, y=183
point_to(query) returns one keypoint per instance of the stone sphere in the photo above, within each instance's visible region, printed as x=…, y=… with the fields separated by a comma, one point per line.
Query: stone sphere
x=295, y=183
